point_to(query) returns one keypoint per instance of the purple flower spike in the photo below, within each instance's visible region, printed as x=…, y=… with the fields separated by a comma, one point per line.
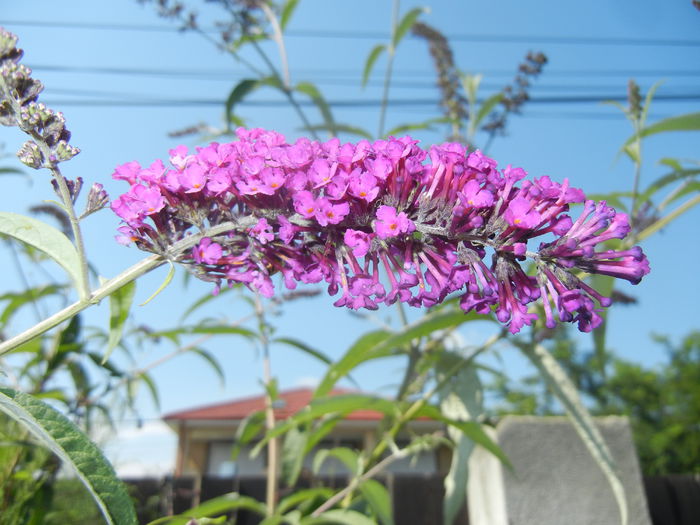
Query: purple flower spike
x=358, y=215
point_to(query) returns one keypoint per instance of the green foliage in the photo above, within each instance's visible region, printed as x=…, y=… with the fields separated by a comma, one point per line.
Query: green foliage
x=63, y=438
x=45, y=238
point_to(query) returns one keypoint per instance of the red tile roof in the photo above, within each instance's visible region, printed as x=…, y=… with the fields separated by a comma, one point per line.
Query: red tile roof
x=289, y=402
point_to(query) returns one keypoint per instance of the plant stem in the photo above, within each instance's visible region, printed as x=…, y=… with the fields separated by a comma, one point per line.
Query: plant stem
x=391, y=51
x=284, y=83
x=272, y=445
x=279, y=40
x=420, y=403
x=136, y=271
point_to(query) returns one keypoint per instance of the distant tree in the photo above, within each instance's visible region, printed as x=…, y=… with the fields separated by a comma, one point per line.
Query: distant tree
x=662, y=402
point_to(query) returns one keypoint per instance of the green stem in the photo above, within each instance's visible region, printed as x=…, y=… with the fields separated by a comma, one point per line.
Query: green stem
x=131, y=274
x=420, y=403
x=84, y=284
x=391, y=51
x=286, y=88
x=273, y=444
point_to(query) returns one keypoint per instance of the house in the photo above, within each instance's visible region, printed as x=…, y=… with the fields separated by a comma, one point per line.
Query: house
x=206, y=437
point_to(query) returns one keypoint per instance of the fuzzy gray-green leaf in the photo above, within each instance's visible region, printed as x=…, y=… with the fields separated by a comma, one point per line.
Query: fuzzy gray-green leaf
x=47, y=239
x=73, y=447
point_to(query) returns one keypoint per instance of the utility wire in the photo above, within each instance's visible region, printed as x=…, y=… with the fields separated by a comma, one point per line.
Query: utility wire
x=216, y=74
x=376, y=35
x=358, y=103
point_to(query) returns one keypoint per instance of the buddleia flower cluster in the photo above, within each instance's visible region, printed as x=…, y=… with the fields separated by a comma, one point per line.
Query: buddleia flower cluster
x=379, y=222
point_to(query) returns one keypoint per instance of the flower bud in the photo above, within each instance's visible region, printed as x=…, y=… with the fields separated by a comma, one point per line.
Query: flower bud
x=30, y=155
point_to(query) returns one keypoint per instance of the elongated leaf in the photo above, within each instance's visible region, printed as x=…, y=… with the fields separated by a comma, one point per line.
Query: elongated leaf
x=687, y=122
x=486, y=108
x=470, y=429
x=249, y=428
x=342, y=128
x=293, y=455
x=300, y=345
x=307, y=88
x=212, y=361
x=287, y=11
x=605, y=285
x=119, y=307
x=168, y=279
x=382, y=343
x=205, y=299
x=354, y=356
x=301, y=496
x=660, y=183
x=371, y=59
x=339, y=517
x=65, y=440
x=16, y=300
x=238, y=93
x=47, y=239
x=214, y=507
x=460, y=399
x=379, y=500
x=583, y=423
x=340, y=404
x=406, y=24
x=416, y=126
x=205, y=329
x=348, y=457
x=667, y=219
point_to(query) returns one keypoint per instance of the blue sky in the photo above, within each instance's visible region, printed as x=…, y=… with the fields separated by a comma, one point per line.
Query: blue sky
x=159, y=80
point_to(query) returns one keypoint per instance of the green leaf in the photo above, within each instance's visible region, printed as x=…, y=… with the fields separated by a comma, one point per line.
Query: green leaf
x=206, y=298
x=307, y=88
x=471, y=429
x=301, y=496
x=583, y=423
x=300, y=345
x=647, y=103
x=355, y=355
x=485, y=109
x=382, y=343
x=406, y=24
x=216, y=329
x=371, y=59
x=238, y=93
x=293, y=455
x=164, y=284
x=66, y=440
x=667, y=219
x=604, y=284
x=16, y=300
x=460, y=399
x=47, y=239
x=348, y=457
x=416, y=126
x=119, y=306
x=339, y=517
x=341, y=128
x=287, y=11
x=687, y=122
x=340, y=404
x=248, y=430
x=209, y=358
x=214, y=507
x=379, y=500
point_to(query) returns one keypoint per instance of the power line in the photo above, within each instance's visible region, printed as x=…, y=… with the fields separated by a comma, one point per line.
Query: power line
x=219, y=74
x=374, y=35
x=348, y=103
